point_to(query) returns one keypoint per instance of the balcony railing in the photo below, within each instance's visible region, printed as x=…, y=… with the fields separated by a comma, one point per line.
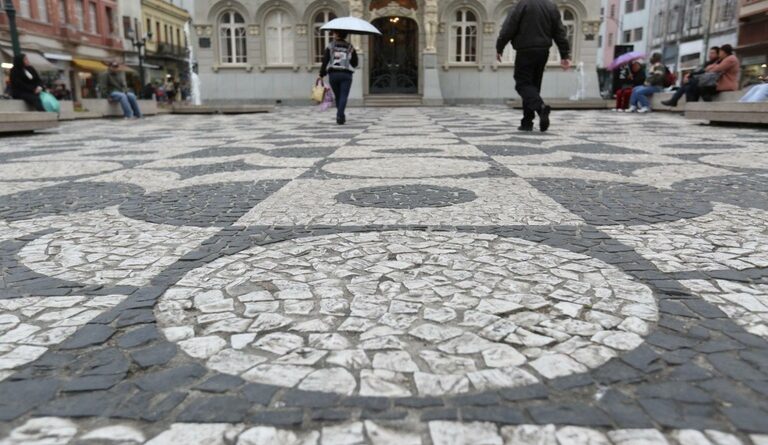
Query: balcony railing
x=166, y=49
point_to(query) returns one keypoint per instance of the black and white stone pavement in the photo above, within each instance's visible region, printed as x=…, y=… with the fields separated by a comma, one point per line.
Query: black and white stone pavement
x=417, y=276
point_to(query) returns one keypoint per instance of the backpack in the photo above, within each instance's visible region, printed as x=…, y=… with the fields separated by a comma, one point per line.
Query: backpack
x=669, y=77
x=341, y=56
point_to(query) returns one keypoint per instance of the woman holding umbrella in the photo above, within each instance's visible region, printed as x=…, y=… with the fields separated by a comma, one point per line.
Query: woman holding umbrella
x=339, y=62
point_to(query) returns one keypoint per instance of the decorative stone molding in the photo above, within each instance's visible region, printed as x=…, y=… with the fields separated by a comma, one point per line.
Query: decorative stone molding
x=301, y=29
x=441, y=27
x=393, y=9
x=489, y=27
x=254, y=30
x=240, y=66
x=590, y=29
x=204, y=30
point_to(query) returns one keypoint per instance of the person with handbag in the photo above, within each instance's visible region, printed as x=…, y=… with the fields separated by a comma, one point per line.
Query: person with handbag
x=690, y=87
x=339, y=61
x=25, y=83
x=717, y=77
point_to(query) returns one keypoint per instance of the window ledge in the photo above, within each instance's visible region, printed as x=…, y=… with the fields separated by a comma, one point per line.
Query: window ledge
x=294, y=68
x=232, y=66
x=449, y=66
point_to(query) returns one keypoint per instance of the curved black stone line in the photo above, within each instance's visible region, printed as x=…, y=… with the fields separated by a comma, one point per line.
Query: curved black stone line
x=410, y=196
x=18, y=281
x=747, y=191
x=300, y=152
x=601, y=165
x=635, y=369
x=191, y=171
x=212, y=205
x=410, y=151
x=64, y=199
x=17, y=155
x=703, y=146
x=517, y=150
x=602, y=203
x=495, y=170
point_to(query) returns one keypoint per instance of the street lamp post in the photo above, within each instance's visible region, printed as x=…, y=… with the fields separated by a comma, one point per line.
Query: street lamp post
x=10, y=11
x=139, y=44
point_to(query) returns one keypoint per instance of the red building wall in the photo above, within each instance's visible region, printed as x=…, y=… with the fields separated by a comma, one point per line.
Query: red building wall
x=106, y=35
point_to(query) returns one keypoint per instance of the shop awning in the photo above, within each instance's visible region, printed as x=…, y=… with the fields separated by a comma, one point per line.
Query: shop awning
x=127, y=69
x=56, y=56
x=36, y=59
x=93, y=66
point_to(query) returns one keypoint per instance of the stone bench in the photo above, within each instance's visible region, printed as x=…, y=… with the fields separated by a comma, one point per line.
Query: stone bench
x=728, y=112
x=112, y=109
x=26, y=121
x=725, y=96
x=66, y=113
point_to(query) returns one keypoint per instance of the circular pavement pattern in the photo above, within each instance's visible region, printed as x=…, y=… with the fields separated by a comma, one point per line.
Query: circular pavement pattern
x=411, y=167
x=406, y=196
x=405, y=313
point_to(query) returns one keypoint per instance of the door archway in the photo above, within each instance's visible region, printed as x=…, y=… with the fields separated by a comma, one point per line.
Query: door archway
x=394, y=56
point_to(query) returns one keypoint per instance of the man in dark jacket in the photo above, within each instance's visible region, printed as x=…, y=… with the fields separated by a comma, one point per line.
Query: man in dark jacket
x=531, y=27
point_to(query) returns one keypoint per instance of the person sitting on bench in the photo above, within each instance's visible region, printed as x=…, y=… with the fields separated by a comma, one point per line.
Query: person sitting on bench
x=117, y=91
x=25, y=82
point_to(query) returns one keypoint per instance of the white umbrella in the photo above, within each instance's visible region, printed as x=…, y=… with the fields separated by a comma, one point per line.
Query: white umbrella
x=352, y=25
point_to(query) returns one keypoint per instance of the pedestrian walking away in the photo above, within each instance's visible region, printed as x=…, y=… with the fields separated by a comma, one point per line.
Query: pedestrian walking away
x=25, y=82
x=339, y=62
x=531, y=27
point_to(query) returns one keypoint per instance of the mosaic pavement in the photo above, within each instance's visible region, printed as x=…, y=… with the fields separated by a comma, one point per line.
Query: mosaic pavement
x=418, y=276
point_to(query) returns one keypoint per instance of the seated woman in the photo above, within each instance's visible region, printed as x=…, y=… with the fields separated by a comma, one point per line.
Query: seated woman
x=632, y=75
x=25, y=82
x=727, y=68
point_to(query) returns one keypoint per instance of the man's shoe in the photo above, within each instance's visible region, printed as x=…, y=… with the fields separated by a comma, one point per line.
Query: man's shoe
x=525, y=128
x=632, y=109
x=544, y=118
x=668, y=103
x=644, y=110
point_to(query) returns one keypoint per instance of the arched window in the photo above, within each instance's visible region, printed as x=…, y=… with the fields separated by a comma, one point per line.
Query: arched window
x=508, y=57
x=569, y=21
x=464, y=36
x=320, y=39
x=279, y=38
x=232, y=36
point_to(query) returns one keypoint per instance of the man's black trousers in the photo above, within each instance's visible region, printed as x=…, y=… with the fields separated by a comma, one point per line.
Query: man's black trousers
x=529, y=70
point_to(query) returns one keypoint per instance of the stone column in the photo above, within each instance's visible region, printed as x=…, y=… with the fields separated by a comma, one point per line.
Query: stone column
x=356, y=93
x=432, y=94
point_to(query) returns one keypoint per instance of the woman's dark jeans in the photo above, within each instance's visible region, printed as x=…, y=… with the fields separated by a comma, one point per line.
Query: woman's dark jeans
x=32, y=99
x=341, y=82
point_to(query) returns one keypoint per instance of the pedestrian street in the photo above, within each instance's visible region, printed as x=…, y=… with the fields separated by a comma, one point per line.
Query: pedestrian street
x=415, y=276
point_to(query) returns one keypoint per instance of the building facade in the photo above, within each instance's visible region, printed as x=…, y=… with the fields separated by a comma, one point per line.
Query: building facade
x=609, y=29
x=753, y=40
x=683, y=30
x=166, y=51
x=68, y=41
x=441, y=51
